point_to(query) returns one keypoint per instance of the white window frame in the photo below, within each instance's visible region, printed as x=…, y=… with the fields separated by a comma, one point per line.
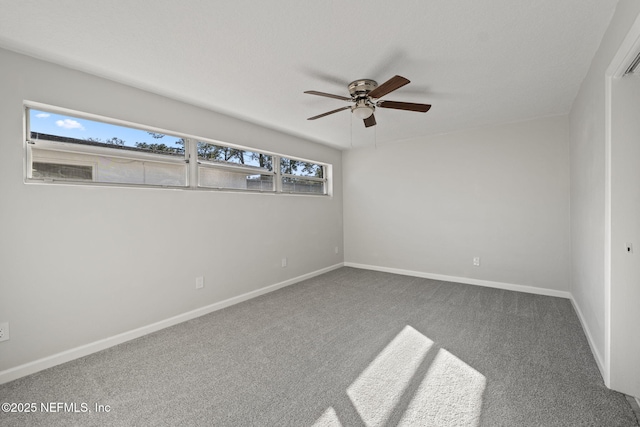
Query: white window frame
x=193, y=163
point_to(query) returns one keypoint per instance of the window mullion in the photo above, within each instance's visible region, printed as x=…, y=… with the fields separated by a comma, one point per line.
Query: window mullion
x=278, y=176
x=191, y=153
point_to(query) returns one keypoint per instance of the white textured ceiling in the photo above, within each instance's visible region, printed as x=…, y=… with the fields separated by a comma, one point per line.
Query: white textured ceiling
x=478, y=62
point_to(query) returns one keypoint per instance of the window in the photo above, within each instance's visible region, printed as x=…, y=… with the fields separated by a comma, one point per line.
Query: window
x=69, y=148
x=81, y=148
x=299, y=176
x=233, y=168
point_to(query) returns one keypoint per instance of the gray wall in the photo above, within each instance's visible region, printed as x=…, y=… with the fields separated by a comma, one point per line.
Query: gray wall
x=587, y=141
x=432, y=204
x=80, y=264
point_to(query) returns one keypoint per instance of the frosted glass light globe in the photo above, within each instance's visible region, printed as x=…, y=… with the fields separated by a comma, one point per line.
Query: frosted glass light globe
x=363, y=111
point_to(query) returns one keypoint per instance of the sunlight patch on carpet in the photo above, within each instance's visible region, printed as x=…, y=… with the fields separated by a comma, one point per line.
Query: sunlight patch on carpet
x=377, y=391
x=328, y=419
x=450, y=394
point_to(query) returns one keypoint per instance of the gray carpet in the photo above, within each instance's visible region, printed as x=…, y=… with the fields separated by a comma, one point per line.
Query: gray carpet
x=352, y=348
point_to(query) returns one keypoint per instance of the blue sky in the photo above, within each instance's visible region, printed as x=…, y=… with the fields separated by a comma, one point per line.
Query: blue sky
x=74, y=127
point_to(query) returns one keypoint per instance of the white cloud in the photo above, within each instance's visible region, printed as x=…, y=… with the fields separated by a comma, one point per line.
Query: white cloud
x=69, y=124
x=42, y=115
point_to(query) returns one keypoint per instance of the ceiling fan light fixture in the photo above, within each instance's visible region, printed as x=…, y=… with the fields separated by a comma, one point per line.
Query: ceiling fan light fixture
x=362, y=111
x=365, y=95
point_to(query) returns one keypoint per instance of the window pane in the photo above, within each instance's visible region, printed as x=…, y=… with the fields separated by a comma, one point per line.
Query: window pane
x=66, y=140
x=75, y=130
x=300, y=168
x=238, y=180
x=110, y=169
x=217, y=153
x=301, y=185
x=62, y=171
x=123, y=171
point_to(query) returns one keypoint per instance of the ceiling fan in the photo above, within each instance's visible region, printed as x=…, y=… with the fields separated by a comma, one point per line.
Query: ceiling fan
x=365, y=95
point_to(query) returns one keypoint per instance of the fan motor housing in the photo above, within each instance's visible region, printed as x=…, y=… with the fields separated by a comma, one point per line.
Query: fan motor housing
x=360, y=88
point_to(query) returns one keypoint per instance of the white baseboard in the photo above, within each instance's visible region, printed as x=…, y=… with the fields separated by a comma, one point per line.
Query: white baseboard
x=84, y=350
x=587, y=332
x=465, y=280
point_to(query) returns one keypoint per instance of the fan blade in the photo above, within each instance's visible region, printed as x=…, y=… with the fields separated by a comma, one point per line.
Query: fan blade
x=330, y=112
x=370, y=121
x=409, y=106
x=395, y=82
x=328, y=95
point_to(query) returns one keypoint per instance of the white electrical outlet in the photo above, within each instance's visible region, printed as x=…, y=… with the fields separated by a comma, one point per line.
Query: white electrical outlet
x=284, y=262
x=199, y=282
x=337, y=250
x=476, y=261
x=4, y=331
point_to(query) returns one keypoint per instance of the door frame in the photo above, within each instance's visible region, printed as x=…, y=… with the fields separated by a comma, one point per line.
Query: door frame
x=626, y=53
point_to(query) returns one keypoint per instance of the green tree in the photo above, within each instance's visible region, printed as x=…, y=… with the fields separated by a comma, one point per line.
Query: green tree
x=215, y=152
x=265, y=161
x=211, y=152
x=161, y=147
x=111, y=141
x=291, y=166
x=115, y=141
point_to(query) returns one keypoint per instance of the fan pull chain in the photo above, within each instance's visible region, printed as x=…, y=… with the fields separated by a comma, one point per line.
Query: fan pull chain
x=351, y=121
